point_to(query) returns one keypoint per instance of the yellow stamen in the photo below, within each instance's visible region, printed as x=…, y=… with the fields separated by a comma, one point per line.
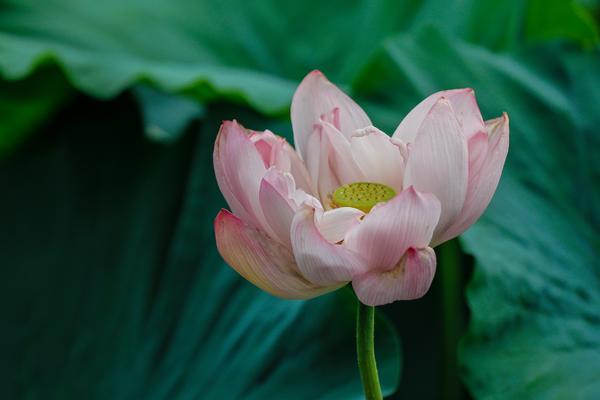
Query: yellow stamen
x=362, y=195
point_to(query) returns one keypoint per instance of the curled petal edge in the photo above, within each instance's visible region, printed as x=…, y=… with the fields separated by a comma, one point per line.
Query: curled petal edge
x=409, y=280
x=264, y=262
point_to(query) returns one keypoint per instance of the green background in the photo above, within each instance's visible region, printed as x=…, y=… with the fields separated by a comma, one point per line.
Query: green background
x=111, y=286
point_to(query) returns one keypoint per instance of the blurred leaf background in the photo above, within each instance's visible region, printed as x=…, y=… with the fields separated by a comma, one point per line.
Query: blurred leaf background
x=111, y=285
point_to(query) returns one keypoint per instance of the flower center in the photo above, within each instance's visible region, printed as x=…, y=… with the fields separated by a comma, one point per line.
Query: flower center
x=362, y=195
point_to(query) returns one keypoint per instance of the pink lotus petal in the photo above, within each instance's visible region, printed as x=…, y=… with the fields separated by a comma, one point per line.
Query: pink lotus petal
x=408, y=220
x=264, y=262
x=317, y=163
x=277, y=152
x=329, y=161
x=438, y=162
x=320, y=261
x=239, y=169
x=276, y=197
x=340, y=157
x=334, y=224
x=318, y=99
x=464, y=104
x=483, y=180
x=379, y=159
x=478, y=149
x=409, y=280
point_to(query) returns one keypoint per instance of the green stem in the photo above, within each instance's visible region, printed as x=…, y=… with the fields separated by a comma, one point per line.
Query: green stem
x=365, y=348
x=450, y=271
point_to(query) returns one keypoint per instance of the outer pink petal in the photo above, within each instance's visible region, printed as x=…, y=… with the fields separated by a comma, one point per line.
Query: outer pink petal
x=317, y=97
x=478, y=149
x=409, y=280
x=320, y=261
x=438, y=162
x=329, y=161
x=390, y=229
x=379, y=159
x=262, y=261
x=464, y=104
x=483, y=177
x=239, y=169
x=277, y=152
x=334, y=224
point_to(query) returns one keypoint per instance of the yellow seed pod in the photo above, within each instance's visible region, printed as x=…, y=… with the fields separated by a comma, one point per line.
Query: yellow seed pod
x=362, y=195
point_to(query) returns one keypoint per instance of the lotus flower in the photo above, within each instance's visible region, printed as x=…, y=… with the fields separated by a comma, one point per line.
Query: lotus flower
x=350, y=203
